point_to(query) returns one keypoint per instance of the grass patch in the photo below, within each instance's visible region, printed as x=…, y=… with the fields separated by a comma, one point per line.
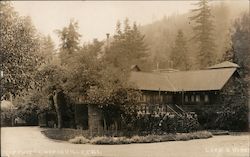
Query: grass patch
x=64, y=134
x=219, y=132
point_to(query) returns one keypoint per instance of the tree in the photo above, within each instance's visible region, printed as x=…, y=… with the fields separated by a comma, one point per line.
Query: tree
x=19, y=46
x=223, y=24
x=240, y=42
x=127, y=47
x=47, y=49
x=115, y=97
x=179, y=53
x=70, y=39
x=203, y=29
x=51, y=79
x=94, y=49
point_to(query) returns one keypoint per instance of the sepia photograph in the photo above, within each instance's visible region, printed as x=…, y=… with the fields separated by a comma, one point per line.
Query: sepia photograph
x=125, y=78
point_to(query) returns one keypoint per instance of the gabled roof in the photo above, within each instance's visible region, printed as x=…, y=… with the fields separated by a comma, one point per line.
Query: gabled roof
x=135, y=68
x=151, y=81
x=225, y=64
x=199, y=80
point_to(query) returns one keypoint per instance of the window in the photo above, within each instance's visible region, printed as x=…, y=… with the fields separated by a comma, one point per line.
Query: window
x=143, y=98
x=147, y=98
x=206, y=98
x=161, y=98
x=197, y=98
x=186, y=98
x=147, y=109
x=192, y=98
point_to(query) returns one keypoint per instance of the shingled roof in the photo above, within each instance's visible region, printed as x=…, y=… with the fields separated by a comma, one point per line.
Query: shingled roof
x=199, y=80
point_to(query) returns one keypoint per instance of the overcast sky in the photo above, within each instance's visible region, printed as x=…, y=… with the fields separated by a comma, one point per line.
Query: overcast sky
x=96, y=18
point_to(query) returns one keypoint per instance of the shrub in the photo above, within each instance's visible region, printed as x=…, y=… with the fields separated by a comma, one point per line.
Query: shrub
x=182, y=137
x=135, y=139
x=233, y=117
x=110, y=140
x=6, y=117
x=151, y=138
x=79, y=140
x=201, y=134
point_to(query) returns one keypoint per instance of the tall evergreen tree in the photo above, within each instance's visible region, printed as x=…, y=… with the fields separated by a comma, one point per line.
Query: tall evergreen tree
x=179, y=53
x=70, y=39
x=127, y=47
x=241, y=43
x=203, y=30
x=47, y=49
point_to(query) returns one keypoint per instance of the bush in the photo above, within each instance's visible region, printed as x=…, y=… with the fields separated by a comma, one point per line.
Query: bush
x=151, y=138
x=79, y=137
x=182, y=137
x=110, y=140
x=193, y=135
x=6, y=117
x=234, y=117
x=79, y=140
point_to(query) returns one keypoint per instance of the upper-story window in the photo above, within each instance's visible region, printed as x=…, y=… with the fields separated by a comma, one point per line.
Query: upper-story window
x=197, y=98
x=186, y=98
x=206, y=98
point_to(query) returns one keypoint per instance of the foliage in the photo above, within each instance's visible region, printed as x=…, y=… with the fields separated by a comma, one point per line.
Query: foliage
x=28, y=113
x=7, y=117
x=151, y=138
x=70, y=39
x=233, y=117
x=114, y=95
x=160, y=35
x=203, y=29
x=179, y=53
x=51, y=80
x=19, y=48
x=169, y=124
x=231, y=111
x=47, y=49
x=127, y=48
x=79, y=140
x=240, y=43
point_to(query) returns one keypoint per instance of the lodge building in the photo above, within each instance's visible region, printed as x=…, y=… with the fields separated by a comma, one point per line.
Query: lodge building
x=182, y=90
x=168, y=91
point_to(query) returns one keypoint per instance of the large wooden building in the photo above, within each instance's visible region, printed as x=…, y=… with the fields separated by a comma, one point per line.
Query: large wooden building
x=187, y=90
x=168, y=91
x=171, y=92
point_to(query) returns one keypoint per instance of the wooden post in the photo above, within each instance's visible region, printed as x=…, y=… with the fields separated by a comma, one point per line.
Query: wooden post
x=182, y=97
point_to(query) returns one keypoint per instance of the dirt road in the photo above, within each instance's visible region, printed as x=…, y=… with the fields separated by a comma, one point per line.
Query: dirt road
x=29, y=142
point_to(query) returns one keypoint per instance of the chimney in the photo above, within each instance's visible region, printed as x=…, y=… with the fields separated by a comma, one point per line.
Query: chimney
x=108, y=44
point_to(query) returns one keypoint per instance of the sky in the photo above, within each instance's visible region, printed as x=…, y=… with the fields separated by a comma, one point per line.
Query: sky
x=96, y=18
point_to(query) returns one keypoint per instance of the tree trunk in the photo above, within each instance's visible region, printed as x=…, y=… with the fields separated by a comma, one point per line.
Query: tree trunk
x=105, y=125
x=58, y=111
x=116, y=127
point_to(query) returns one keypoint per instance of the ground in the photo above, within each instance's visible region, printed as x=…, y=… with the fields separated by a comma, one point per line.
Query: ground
x=29, y=142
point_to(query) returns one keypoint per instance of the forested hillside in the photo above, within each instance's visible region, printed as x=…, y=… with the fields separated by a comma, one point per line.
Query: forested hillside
x=161, y=35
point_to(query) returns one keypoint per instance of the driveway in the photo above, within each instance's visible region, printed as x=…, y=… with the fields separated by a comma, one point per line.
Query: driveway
x=29, y=142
